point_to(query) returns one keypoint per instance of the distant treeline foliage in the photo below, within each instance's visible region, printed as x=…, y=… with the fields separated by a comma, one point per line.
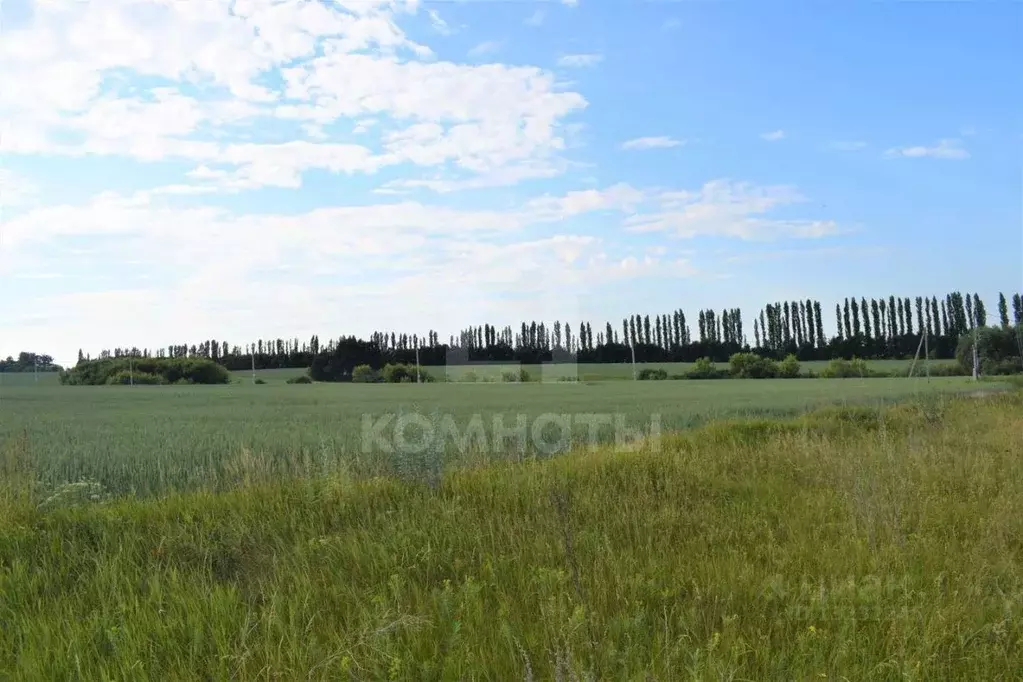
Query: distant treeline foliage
x=866, y=329
x=142, y=370
x=29, y=362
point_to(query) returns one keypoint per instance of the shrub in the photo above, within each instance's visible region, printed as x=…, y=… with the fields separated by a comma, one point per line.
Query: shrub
x=789, y=367
x=300, y=380
x=752, y=366
x=364, y=374
x=398, y=373
x=524, y=375
x=704, y=369
x=510, y=377
x=470, y=377
x=651, y=374
x=845, y=369
x=169, y=371
x=998, y=349
x=258, y=382
x=126, y=378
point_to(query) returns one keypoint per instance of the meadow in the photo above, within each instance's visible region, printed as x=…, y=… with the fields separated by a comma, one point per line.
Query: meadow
x=863, y=542
x=147, y=440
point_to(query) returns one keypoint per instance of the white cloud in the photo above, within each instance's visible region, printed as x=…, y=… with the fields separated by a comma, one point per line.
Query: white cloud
x=773, y=136
x=727, y=209
x=536, y=18
x=944, y=149
x=15, y=190
x=570, y=3
x=661, y=142
x=579, y=61
x=485, y=48
x=438, y=24
x=67, y=89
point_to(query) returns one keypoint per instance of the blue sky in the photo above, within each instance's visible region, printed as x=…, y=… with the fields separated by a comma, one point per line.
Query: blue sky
x=181, y=170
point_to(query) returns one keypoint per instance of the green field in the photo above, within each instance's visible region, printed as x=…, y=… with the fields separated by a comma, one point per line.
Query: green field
x=850, y=544
x=151, y=439
x=583, y=372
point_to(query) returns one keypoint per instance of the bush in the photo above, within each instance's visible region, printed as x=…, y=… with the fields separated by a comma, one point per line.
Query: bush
x=398, y=374
x=364, y=374
x=524, y=375
x=789, y=367
x=300, y=380
x=845, y=369
x=259, y=382
x=169, y=370
x=510, y=377
x=469, y=377
x=126, y=378
x=752, y=366
x=651, y=374
x=704, y=369
x=998, y=349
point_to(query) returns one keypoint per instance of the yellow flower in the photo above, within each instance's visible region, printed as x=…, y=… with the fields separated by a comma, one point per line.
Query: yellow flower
x=812, y=630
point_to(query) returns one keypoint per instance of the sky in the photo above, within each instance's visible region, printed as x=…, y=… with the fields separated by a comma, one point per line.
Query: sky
x=179, y=170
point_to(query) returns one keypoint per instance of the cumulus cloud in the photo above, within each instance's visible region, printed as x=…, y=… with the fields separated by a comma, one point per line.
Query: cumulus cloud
x=227, y=72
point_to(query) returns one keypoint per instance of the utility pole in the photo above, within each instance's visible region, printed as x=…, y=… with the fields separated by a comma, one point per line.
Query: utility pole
x=131, y=367
x=976, y=356
x=633, y=349
x=417, y=363
x=927, y=355
x=252, y=355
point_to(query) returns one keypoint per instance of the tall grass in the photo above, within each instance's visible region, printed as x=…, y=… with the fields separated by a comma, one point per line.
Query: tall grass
x=852, y=543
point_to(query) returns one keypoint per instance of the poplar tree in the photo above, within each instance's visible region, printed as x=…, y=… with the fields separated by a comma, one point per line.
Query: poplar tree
x=979, y=311
x=820, y=323
x=1003, y=310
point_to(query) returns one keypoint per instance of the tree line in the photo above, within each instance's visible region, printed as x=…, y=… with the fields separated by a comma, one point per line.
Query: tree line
x=29, y=362
x=865, y=328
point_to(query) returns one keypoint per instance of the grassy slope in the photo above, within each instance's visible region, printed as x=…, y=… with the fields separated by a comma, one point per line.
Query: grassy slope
x=845, y=545
x=154, y=438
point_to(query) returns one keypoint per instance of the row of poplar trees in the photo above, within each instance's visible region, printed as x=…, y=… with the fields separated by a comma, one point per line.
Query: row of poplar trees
x=867, y=328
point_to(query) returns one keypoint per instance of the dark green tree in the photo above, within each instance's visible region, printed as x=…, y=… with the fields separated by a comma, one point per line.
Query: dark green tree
x=856, y=319
x=820, y=324
x=1003, y=311
x=979, y=311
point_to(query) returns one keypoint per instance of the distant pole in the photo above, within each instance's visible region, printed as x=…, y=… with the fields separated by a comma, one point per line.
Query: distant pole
x=976, y=356
x=633, y=349
x=252, y=355
x=417, y=364
x=131, y=367
x=917, y=356
x=927, y=355
x=35, y=368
